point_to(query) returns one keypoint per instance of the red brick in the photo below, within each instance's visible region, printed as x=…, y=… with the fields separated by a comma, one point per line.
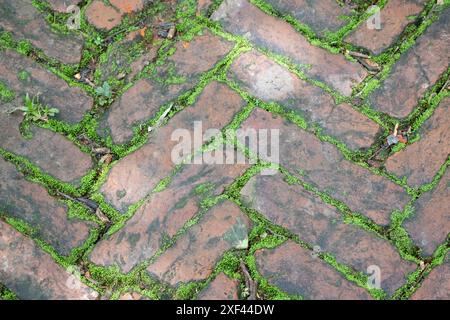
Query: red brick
x=221, y=288
x=270, y=82
x=72, y=102
x=132, y=296
x=128, y=6
x=395, y=16
x=103, y=16
x=24, y=21
x=320, y=224
x=30, y=202
x=32, y=274
x=50, y=151
x=295, y=271
x=416, y=71
x=144, y=99
x=138, y=173
x=242, y=18
x=62, y=5
x=321, y=16
x=195, y=254
x=323, y=166
x=430, y=223
x=163, y=215
x=437, y=285
x=420, y=161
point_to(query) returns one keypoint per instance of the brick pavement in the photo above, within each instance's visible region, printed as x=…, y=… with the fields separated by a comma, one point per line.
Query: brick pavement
x=91, y=196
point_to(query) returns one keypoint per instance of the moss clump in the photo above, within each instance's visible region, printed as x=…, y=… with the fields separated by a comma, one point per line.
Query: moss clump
x=6, y=94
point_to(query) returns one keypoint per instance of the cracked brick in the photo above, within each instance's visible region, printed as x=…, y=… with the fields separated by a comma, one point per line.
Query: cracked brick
x=295, y=271
x=32, y=274
x=323, y=166
x=429, y=225
x=134, y=176
x=416, y=71
x=322, y=225
x=72, y=102
x=142, y=101
x=50, y=151
x=420, y=161
x=321, y=16
x=242, y=18
x=195, y=254
x=25, y=22
x=221, y=288
x=395, y=17
x=164, y=214
x=270, y=82
x=30, y=202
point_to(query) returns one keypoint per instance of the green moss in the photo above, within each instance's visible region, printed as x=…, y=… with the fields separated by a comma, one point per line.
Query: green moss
x=6, y=94
x=6, y=294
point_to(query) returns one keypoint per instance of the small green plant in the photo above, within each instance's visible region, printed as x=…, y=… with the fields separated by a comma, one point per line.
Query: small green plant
x=98, y=41
x=23, y=75
x=104, y=93
x=35, y=111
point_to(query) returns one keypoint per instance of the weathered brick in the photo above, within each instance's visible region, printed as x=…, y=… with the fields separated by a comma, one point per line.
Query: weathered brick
x=437, y=285
x=242, y=18
x=103, y=16
x=62, y=5
x=416, y=71
x=32, y=274
x=395, y=16
x=195, y=254
x=295, y=271
x=164, y=214
x=132, y=296
x=31, y=203
x=50, y=151
x=268, y=81
x=221, y=288
x=138, y=173
x=129, y=5
x=144, y=99
x=321, y=16
x=322, y=225
x=72, y=102
x=420, y=161
x=430, y=224
x=24, y=21
x=323, y=166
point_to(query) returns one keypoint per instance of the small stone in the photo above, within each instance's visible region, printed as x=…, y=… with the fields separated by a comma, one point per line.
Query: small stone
x=392, y=140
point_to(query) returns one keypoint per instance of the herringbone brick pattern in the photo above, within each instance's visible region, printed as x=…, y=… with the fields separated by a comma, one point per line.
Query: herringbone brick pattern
x=92, y=205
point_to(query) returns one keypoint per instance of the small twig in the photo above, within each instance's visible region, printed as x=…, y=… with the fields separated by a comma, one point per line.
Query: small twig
x=161, y=119
x=249, y=282
x=358, y=54
x=444, y=86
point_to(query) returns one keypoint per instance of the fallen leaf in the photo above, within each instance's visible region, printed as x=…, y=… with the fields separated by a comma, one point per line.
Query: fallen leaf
x=106, y=159
x=142, y=32
x=101, y=216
